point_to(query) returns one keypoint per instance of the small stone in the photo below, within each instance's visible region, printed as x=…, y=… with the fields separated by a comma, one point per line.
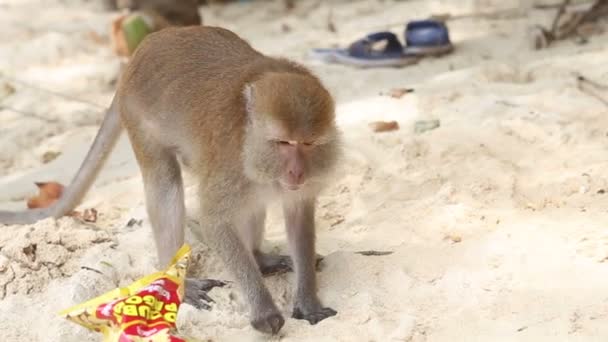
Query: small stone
x=426, y=125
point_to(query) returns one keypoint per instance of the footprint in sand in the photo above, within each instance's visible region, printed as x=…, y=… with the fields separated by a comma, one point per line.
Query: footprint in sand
x=594, y=248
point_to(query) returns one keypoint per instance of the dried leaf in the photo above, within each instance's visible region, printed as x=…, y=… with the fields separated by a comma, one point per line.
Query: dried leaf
x=97, y=38
x=119, y=43
x=453, y=238
x=384, y=126
x=49, y=156
x=48, y=193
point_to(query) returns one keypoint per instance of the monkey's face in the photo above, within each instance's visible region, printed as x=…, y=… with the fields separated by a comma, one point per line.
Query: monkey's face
x=291, y=160
x=291, y=138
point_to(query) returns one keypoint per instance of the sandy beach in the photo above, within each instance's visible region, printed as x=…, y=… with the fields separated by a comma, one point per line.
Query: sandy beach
x=496, y=220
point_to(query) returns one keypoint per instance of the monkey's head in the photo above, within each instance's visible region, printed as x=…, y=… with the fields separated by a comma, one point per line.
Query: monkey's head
x=291, y=138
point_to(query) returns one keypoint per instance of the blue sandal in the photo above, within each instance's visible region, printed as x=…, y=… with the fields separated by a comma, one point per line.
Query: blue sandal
x=427, y=38
x=362, y=53
x=422, y=38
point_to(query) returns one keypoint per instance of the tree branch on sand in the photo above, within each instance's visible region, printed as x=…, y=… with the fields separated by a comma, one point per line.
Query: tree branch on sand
x=568, y=24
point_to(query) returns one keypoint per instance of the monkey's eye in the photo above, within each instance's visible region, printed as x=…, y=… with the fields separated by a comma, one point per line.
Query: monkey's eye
x=293, y=143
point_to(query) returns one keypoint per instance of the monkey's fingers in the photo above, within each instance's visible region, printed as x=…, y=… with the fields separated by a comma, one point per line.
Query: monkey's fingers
x=208, y=284
x=196, y=292
x=314, y=317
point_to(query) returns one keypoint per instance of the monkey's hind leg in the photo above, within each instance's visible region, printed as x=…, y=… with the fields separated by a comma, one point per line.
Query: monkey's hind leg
x=251, y=233
x=164, y=191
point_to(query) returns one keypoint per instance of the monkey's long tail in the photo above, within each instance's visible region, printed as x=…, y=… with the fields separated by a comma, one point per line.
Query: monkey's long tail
x=100, y=150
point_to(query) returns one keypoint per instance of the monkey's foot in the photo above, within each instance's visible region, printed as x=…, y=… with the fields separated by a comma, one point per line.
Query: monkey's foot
x=271, y=264
x=315, y=316
x=269, y=323
x=196, y=292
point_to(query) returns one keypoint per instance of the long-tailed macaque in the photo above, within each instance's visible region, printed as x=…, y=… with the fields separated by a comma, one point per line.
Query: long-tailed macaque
x=251, y=127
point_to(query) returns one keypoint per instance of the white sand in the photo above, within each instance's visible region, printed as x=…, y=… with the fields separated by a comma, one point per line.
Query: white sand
x=514, y=174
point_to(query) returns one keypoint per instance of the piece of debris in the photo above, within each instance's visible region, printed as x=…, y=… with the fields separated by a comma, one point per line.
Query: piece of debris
x=105, y=263
x=122, y=312
x=601, y=191
x=91, y=269
x=6, y=89
x=384, y=126
x=374, y=253
x=49, y=156
x=48, y=193
x=97, y=38
x=336, y=221
x=422, y=126
x=522, y=328
x=453, y=238
x=331, y=27
x=591, y=88
x=30, y=252
x=398, y=93
x=285, y=28
x=90, y=215
x=133, y=222
x=289, y=4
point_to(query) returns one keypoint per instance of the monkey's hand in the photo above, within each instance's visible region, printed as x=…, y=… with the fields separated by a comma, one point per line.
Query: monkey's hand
x=312, y=313
x=196, y=292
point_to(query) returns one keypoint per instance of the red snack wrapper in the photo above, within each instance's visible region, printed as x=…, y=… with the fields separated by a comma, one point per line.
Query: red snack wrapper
x=146, y=310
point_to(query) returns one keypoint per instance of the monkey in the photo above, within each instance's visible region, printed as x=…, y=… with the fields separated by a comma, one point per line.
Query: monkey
x=168, y=12
x=251, y=127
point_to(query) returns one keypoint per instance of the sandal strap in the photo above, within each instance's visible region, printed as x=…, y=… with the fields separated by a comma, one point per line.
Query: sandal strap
x=363, y=47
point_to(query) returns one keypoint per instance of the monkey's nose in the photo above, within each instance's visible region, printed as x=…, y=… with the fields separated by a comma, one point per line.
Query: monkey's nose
x=296, y=177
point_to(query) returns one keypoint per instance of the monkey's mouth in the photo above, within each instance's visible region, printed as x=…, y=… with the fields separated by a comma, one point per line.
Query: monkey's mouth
x=290, y=186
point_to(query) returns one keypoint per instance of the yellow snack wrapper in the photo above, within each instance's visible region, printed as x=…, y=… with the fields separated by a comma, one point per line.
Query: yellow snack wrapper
x=146, y=310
